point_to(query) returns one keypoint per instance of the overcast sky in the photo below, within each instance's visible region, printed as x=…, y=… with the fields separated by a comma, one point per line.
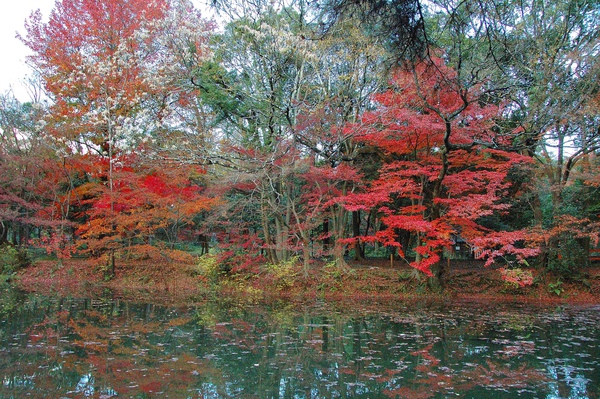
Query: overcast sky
x=12, y=19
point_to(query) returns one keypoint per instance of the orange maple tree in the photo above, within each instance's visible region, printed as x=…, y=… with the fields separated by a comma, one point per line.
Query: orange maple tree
x=113, y=70
x=147, y=206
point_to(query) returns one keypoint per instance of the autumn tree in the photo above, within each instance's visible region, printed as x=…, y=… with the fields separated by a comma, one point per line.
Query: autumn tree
x=553, y=50
x=538, y=57
x=253, y=88
x=344, y=68
x=541, y=58
x=443, y=170
x=34, y=178
x=151, y=205
x=114, y=71
x=281, y=91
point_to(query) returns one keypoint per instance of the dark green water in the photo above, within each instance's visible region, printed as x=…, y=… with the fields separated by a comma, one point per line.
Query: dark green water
x=104, y=348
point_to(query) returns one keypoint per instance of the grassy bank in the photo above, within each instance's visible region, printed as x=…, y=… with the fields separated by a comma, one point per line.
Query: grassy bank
x=182, y=283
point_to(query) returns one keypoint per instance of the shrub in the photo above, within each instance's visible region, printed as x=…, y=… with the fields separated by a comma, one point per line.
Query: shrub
x=210, y=267
x=567, y=260
x=284, y=274
x=12, y=259
x=556, y=288
x=517, y=277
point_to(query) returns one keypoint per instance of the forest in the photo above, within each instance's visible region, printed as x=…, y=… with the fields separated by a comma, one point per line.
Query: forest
x=311, y=133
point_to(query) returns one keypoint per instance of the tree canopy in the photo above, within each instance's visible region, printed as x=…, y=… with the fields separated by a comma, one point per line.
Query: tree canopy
x=317, y=129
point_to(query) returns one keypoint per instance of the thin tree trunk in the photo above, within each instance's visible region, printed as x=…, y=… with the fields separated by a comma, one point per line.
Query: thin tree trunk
x=271, y=254
x=305, y=255
x=359, y=253
x=110, y=269
x=326, y=240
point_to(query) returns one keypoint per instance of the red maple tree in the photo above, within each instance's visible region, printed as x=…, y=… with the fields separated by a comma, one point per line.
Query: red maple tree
x=443, y=169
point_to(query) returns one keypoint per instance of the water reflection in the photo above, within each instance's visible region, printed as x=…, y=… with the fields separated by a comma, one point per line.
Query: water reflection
x=103, y=348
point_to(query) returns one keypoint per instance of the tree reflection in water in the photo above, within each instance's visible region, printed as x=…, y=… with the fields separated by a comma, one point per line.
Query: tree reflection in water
x=76, y=348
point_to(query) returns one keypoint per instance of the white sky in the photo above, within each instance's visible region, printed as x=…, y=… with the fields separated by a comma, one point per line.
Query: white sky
x=12, y=19
x=13, y=69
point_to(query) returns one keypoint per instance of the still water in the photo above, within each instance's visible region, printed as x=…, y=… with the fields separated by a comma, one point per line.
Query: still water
x=105, y=348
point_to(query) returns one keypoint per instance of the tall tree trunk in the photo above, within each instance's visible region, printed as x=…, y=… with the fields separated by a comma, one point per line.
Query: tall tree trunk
x=3, y=233
x=439, y=270
x=305, y=255
x=326, y=239
x=359, y=250
x=110, y=267
x=339, y=216
x=271, y=253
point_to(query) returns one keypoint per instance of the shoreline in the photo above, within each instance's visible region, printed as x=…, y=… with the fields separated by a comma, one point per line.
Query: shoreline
x=365, y=282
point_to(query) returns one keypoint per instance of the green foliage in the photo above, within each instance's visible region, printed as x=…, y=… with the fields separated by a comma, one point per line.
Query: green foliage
x=10, y=300
x=556, y=288
x=284, y=274
x=12, y=259
x=336, y=278
x=521, y=322
x=211, y=268
x=412, y=276
x=249, y=294
x=217, y=92
x=332, y=271
x=567, y=260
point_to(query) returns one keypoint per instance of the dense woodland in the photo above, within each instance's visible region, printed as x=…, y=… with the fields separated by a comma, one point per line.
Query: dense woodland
x=307, y=130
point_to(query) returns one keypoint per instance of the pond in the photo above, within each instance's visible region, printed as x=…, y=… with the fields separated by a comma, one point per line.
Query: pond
x=103, y=348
